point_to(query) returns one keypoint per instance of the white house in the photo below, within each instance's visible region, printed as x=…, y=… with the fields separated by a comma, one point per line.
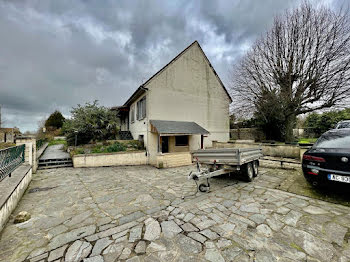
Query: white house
x=183, y=107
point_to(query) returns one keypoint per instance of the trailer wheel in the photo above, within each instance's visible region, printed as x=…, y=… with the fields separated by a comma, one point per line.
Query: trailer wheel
x=256, y=168
x=248, y=172
x=203, y=188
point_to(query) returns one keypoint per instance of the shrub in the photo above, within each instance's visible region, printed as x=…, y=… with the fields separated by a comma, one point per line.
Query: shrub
x=116, y=147
x=90, y=122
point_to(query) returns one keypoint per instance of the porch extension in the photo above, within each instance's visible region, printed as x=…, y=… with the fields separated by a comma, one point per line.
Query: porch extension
x=175, y=141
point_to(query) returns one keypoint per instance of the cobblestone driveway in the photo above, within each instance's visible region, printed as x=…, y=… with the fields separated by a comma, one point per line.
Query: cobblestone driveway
x=137, y=214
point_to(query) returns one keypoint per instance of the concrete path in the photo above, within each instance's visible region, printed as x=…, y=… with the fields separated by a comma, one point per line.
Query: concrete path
x=138, y=214
x=55, y=152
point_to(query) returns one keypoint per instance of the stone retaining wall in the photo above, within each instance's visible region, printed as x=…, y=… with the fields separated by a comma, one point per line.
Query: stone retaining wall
x=111, y=159
x=12, y=189
x=275, y=150
x=174, y=159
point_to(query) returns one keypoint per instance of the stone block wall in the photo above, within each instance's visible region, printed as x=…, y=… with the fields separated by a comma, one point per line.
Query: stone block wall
x=247, y=134
x=174, y=159
x=111, y=159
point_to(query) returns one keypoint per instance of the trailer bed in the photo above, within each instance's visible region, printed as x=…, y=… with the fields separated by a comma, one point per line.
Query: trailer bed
x=227, y=156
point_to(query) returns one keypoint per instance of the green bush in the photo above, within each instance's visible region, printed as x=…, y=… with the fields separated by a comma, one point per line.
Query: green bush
x=116, y=147
x=90, y=122
x=317, y=124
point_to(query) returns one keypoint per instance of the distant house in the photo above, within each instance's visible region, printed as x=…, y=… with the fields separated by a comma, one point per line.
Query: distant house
x=8, y=135
x=183, y=107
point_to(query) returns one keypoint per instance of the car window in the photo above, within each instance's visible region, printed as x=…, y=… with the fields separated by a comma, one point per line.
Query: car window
x=333, y=140
x=344, y=125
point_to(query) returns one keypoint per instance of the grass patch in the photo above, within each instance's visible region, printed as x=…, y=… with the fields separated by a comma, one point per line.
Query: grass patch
x=58, y=142
x=293, y=245
x=6, y=145
x=307, y=140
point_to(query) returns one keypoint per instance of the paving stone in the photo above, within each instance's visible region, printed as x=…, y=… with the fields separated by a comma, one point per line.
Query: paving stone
x=112, y=252
x=237, y=218
x=94, y=259
x=205, y=224
x=120, y=234
x=70, y=236
x=77, y=219
x=196, y=236
x=38, y=258
x=105, y=227
x=336, y=233
x=313, y=246
x=213, y=255
x=155, y=247
x=130, y=217
x=133, y=259
x=292, y=218
x=264, y=256
x=78, y=251
x=282, y=210
x=188, y=217
x=227, y=229
x=118, y=229
x=209, y=244
x=121, y=239
x=315, y=210
x=57, y=253
x=297, y=201
x=222, y=243
x=125, y=253
x=152, y=231
x=251, y=208
x=188, y=245
x=264, y=230
x=258, y=218
x=274, y=224
x=140, y=248
x=209, y=234
x=188, y=227
x=100, y=245
x=135, y=234
x=231, y=253
x=170, y=229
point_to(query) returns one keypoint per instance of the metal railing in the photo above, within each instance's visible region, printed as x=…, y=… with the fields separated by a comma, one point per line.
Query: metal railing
x=40, y=143
x=10, y=159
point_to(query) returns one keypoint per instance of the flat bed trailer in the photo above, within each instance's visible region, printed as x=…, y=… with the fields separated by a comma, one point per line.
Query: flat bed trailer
x=222, y=161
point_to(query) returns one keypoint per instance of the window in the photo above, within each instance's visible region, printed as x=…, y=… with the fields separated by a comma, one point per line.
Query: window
x=181, y=141
x=333, y=140
x=141, y=109
x=132, y=115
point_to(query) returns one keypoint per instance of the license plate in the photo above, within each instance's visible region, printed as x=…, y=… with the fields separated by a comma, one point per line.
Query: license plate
x=344, y=179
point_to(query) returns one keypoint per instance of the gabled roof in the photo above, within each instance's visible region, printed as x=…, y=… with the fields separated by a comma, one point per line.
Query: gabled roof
x=178, y=127
x=139, y=92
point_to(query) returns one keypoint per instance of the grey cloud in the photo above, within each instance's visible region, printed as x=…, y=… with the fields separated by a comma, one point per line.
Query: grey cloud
x=56, y=54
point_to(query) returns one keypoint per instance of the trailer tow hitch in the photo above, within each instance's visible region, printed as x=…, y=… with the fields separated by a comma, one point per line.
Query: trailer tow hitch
x=200, y=175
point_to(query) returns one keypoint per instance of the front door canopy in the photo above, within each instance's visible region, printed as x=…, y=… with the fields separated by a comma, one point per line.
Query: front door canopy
x=173, y=128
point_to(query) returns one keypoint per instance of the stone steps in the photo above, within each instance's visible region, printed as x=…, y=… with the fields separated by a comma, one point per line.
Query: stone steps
x=55, y=163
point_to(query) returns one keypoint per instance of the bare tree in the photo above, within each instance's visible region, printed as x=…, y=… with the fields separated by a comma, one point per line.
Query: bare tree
x=303, y=62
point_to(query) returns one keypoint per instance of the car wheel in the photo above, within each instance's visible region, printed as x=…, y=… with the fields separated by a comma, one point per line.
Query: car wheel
x=248, y=172
x=256, y=168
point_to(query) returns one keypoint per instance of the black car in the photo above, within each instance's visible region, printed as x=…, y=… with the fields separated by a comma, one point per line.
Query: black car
x=328, y=161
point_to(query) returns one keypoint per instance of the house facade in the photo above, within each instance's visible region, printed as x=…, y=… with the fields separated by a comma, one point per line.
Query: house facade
x=183, y=107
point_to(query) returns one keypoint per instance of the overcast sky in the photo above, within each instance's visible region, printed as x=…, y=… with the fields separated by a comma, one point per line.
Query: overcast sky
x=56, y=54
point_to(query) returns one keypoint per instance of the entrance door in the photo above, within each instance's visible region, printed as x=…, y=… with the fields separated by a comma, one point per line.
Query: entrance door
x=165, y=144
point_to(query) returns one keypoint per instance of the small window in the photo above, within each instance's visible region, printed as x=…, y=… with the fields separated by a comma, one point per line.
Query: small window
x=141, y=109
x=181, y=141
x=132, y=115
